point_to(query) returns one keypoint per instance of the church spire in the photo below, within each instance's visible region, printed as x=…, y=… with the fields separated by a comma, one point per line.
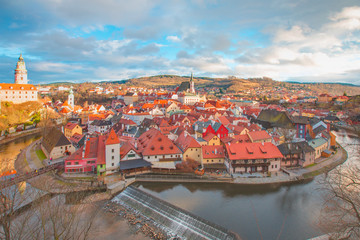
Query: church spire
x=192, y=85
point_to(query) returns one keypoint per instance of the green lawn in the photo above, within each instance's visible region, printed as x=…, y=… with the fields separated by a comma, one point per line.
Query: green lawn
x=40, y=154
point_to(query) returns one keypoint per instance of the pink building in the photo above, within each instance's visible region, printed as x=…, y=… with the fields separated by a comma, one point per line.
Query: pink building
x=85, y=158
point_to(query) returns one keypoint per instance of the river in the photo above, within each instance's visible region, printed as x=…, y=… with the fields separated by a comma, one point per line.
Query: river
x=276, y=211
x=10, y=150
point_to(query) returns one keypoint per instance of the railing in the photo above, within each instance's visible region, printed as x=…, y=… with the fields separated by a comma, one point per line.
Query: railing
x=23, y=177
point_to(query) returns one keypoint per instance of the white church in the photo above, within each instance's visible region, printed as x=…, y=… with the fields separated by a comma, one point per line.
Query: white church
x=20, y=91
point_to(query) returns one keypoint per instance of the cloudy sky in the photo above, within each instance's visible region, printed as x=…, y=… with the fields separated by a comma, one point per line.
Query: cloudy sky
x=88, y=40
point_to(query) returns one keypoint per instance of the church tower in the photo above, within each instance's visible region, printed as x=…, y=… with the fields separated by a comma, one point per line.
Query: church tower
x=192, y=85
x=71, y=98
x=21, y=72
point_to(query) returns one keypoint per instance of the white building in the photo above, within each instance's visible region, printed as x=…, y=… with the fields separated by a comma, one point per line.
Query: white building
x=21, y=91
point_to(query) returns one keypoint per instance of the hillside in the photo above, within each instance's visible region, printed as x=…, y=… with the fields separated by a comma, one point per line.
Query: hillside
x=13, y=114
x=232, y=84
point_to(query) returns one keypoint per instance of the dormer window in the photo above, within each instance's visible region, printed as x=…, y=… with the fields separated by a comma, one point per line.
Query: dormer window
x=11, y=87
x=22, y=87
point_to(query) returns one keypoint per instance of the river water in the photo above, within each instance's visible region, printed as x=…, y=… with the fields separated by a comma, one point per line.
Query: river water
x=10, y=150
x=275, y=211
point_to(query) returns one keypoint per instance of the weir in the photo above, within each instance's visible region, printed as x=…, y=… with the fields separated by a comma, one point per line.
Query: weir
x=174, y=219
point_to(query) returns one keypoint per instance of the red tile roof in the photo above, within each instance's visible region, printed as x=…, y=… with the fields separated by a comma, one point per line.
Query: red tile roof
x=213, y=152
x=259, y=135
x=244, y=151
x=101, y=150
x=70, y=125
x=76, y=137
x=153, y=142
x=13, y=86
x=113, y=138
x=209, y=136
x=185, y=141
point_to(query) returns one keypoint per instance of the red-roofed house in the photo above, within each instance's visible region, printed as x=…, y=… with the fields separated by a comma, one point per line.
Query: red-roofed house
x=84, y=160
x=259, y=136
x=71, y=128
x=213, y=158
x=159, y=149
x=252, y=158
x=189, y=146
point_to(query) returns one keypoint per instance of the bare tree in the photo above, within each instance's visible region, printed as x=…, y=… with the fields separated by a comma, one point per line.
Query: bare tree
x=341, y=211
x=340, y=215
x=30, y=213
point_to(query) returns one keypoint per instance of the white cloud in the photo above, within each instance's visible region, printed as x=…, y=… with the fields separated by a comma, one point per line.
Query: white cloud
x=173, y=38
x=54, y=67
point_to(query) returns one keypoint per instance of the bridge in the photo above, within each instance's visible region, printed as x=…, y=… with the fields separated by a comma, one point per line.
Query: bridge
x=18, y=178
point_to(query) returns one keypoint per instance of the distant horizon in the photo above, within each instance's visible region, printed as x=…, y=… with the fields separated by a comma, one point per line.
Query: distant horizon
x=124, y=80
x=91, y=40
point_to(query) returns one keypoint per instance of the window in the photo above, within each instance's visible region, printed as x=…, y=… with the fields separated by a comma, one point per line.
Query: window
x=112, y=164
x=112, y=157
x=112, y=150
x=148, y=157
x=68, y=163
x=76, y=163
x=131, y=155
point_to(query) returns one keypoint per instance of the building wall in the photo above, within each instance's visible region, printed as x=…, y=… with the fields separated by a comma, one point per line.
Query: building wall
x=131, y=155
x=157, y=158
x=18, y=96
x=70, y=132
x=215, y=141
x=112, y=157
x=213, y=160
x=193, y=153
x=319, y=149
x=58, y=152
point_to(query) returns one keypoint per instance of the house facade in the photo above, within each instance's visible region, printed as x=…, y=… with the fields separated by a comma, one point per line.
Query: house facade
x=252, y=158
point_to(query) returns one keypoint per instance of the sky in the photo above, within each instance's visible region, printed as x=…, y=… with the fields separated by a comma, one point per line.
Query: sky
x=107, y=40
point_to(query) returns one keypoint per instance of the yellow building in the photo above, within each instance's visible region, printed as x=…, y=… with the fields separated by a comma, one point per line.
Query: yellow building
x=212, y=139
x=213, y=158
x=72, y=128
x=190, y=147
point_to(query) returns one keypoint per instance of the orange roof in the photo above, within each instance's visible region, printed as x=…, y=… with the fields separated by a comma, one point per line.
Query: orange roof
x=259, y=135
x=147, y=105
x=244, y=151
x=13, y=86
x=93, y=117
x=113, y=138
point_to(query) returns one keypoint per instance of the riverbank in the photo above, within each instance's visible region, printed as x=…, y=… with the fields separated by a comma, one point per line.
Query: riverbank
x=13, y=136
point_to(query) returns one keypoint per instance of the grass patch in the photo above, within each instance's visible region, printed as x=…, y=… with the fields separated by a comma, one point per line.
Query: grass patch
x=311, y=165
x=40, y=154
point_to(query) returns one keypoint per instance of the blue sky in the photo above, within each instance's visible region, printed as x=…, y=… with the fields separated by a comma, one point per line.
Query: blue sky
x=87, y=40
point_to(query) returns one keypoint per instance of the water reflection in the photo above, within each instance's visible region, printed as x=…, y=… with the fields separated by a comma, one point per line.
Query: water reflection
x=9, y=151
x=280, y=211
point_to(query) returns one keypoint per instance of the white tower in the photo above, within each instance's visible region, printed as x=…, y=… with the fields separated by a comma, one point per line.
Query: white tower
x=112, y=152
x=71, y=98
x=21, y=72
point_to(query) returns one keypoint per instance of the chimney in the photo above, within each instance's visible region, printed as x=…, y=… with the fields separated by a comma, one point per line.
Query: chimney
x=135, y=145
x=216, y=151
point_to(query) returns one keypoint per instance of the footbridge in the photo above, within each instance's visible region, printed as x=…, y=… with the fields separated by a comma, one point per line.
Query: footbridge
x=171, y=218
